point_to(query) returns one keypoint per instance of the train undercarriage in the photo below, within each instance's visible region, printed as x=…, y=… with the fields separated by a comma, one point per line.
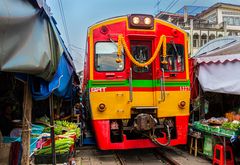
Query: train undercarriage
x=142, y=130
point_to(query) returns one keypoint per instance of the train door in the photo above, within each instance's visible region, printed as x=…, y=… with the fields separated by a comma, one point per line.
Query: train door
x=142, y=77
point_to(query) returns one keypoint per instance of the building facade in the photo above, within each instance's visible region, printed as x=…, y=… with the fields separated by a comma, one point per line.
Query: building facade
x=204, y=24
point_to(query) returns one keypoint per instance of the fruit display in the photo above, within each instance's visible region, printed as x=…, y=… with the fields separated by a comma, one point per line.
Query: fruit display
x=231, y=116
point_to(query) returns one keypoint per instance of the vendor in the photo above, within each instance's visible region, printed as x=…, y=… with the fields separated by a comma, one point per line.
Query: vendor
x=6, y=119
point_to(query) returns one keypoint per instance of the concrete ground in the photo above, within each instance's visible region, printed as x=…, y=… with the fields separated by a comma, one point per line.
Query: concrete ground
x=182, y=157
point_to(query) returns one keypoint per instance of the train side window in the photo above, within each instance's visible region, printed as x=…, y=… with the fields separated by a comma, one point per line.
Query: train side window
x=105, y=57
x=175, y=58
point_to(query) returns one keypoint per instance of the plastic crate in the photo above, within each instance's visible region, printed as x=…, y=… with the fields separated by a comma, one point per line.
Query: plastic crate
x=47, y=159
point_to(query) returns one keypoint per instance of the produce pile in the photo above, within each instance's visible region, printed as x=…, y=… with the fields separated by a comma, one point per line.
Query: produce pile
x=227, y=128
x=234, y=125
x=61, y=146
x=64, y=127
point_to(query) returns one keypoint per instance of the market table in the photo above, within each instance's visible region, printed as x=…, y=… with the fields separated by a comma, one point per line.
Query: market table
x=222, y=134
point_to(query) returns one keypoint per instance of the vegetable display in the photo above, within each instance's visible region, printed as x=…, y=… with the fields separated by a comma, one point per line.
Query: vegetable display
x=61, y=146
x=66, y=127
x=235, y=125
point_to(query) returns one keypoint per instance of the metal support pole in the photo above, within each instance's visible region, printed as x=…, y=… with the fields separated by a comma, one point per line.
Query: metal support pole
x=191, y=37
x=52, y=129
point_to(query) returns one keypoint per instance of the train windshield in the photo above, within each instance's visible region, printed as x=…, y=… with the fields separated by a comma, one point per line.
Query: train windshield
x=105, y=57
x=175, y=58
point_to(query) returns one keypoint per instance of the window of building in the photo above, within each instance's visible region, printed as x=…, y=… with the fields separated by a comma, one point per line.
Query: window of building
x=212, y=18
x=212, y=37
x=105, y=57
x=195, y=40
x=175, y=58
x=203, y=39
x=220, y=35
x=237, y=21
x=230, y=13
x=234, y=21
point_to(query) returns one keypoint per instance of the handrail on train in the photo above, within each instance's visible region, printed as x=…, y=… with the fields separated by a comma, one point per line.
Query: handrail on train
x=162, y=87
x=130, y=86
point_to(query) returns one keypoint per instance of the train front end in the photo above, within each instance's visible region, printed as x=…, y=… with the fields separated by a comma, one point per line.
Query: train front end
x=138, y=82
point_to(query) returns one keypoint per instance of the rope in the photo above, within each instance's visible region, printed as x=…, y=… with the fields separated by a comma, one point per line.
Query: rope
x=161, y=42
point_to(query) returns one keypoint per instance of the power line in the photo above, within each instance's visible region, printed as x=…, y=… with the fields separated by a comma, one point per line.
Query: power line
x=174, y=2
x=64, y=22
x=168, y=6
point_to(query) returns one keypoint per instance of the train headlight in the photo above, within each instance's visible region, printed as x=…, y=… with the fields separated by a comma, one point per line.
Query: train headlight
x=182, y=104
x=140, y=21
x=147, y=21
x=101, y=107
x=136, y=20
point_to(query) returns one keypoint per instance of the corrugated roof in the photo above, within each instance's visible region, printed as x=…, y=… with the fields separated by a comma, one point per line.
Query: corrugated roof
x=192, y=10
x=219, y=50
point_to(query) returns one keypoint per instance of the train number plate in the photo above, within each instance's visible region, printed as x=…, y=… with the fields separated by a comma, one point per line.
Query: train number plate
x=103, y=89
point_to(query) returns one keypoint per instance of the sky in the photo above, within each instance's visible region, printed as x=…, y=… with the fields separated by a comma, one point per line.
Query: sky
x=80, y=14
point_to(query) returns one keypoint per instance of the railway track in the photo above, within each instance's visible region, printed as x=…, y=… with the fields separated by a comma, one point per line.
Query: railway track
x=93, y=156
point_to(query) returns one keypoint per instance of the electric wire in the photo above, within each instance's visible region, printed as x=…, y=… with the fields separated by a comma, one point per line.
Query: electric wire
x=171, y=5
x=64, y=23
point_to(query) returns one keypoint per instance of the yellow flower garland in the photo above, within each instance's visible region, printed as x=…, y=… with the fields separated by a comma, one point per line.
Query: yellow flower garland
x=122, y=43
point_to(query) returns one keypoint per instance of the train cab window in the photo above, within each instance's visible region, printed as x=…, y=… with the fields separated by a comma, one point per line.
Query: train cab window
x=175, y=58
x=105, y=57
x=141, y=54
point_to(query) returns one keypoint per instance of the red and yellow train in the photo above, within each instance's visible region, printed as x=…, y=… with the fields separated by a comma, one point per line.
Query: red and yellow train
x=136, y=80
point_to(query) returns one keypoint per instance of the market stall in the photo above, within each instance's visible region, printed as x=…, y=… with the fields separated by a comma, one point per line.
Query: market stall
x=216, y=68
x=35, y=67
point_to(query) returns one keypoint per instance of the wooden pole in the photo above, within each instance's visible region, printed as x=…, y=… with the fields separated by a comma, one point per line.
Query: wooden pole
x=52, y=129
x=26, y=127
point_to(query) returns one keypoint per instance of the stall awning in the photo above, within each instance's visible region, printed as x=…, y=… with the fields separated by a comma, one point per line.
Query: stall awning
x=60, y=85
x=218, y=64
x=29, y=43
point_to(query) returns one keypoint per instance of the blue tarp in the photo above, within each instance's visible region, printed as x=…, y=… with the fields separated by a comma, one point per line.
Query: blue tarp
x=60, y=85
